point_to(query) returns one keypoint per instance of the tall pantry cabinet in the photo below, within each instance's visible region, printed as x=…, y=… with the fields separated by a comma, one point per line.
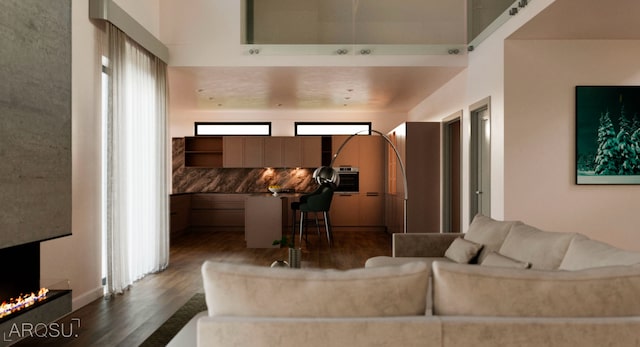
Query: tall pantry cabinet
x=365, y=209
x=419, y=147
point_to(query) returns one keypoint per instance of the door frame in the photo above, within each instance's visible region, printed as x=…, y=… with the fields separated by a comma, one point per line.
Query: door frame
x=474, y=161
x=446, y=169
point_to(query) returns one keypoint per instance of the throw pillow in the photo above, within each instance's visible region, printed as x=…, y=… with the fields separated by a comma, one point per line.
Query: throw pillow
x=462, y=251
x=543, y=249
x=498, y=260
x=488, y=232
x=261, y=291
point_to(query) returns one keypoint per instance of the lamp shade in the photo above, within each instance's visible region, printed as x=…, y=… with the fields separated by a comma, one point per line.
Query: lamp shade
x=326, y=174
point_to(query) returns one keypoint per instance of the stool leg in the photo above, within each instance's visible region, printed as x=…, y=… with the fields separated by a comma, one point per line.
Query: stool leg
x=317, y=224
x=301, y=225
x=293, y=227
x=327, y=226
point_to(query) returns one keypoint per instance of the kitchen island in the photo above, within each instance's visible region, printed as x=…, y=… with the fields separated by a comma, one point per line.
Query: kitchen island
x=265, y=219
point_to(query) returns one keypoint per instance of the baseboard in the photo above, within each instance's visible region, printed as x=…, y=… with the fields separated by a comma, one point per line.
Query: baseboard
x=86, y=298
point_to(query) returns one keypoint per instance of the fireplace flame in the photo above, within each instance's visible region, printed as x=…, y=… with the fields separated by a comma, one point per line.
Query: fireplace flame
x=22, y=302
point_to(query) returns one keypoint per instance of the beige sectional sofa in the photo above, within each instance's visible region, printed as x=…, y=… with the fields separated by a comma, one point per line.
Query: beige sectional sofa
x=533, y=288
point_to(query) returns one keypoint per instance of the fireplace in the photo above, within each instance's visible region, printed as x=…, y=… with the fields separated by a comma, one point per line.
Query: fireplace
x=20, y=268
x=20, y=265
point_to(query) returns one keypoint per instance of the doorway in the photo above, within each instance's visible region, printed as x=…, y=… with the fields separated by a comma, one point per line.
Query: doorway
x=451, y=221
x=480, y=155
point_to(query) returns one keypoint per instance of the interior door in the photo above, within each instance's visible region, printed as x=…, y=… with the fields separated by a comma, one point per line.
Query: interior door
x=480, y=161
x=452, y=179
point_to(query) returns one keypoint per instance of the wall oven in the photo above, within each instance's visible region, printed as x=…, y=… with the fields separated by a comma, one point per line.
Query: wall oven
x=349, y=179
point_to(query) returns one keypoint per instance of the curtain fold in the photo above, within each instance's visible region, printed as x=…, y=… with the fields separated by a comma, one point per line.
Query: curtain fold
x=137, y=159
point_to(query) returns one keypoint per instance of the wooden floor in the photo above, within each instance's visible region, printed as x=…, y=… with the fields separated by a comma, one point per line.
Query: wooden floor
x=128, y=319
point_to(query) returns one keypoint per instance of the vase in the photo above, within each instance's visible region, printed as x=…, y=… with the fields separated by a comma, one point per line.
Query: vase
x=294, y=257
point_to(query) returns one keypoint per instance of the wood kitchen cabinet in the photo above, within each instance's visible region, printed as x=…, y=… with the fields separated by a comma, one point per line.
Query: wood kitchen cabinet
x=349, y=155
x=233, y=151
x=272, y=151
x=366, y=208
x=273, y=156
x=203, y=151
x=253, y=152
x=292, y=151
x=311, y=151
x=179, y=212
x=371, y=211
x=345, y=210
x=217, y=210
x=371, y=164
x=419, y=146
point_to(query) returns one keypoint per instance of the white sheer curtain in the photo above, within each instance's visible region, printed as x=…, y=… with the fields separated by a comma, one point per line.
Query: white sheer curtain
x=137, y=171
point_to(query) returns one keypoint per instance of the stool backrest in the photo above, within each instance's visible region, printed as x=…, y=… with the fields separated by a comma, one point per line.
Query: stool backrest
x=319, y=200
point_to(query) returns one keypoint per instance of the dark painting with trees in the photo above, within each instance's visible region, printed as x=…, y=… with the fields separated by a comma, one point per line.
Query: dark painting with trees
x=608, y=134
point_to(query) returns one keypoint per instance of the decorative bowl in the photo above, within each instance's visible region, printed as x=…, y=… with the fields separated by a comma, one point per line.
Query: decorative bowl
x=275, y=190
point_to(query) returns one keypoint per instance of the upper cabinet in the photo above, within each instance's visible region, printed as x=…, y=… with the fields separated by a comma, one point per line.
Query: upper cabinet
x=203, y=151
x=311, y=148
x=349, y=154
x=233, y=153
x=271, y=151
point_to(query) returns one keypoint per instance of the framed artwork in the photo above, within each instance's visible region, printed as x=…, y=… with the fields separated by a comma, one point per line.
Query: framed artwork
x=607, y=134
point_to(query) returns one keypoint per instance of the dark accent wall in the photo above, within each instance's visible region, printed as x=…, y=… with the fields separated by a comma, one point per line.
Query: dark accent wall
x=35, y=120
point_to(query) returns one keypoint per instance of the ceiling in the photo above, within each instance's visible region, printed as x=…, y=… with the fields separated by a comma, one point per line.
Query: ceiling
x=393, y=89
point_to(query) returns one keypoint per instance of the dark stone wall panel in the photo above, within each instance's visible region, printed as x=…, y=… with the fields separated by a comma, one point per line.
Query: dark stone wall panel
x=35, y=125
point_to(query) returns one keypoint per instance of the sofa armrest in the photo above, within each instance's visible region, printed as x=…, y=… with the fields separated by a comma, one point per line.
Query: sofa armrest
x=422, y=244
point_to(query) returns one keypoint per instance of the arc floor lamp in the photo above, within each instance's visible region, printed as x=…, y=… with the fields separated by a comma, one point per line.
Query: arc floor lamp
x=329, y=174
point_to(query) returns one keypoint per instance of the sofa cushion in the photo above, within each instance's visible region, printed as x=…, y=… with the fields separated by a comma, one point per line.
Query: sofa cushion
x=462, y=251
x=499, y=260
x=467, y=290
x=584, y=253
x=245, y=290
x=488, y=232
x=543, y=249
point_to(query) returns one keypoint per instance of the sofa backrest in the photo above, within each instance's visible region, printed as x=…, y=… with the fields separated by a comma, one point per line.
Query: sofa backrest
x=584, y=253
x=469, y=290
x=261, y=291
x=544, y=250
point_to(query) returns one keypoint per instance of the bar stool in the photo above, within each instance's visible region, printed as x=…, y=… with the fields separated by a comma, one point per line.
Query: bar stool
x=318, y=201
x=295, y=207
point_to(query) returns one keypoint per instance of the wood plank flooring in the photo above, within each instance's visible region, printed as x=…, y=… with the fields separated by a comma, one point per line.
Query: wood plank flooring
x=128, y=319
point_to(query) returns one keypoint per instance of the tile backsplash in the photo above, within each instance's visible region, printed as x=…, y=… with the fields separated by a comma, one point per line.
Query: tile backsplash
x=228, y=180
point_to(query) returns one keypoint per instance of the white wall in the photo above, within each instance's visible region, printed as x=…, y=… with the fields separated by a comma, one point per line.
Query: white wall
x=484, y=77
x=539, y=149
x=76, y=258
